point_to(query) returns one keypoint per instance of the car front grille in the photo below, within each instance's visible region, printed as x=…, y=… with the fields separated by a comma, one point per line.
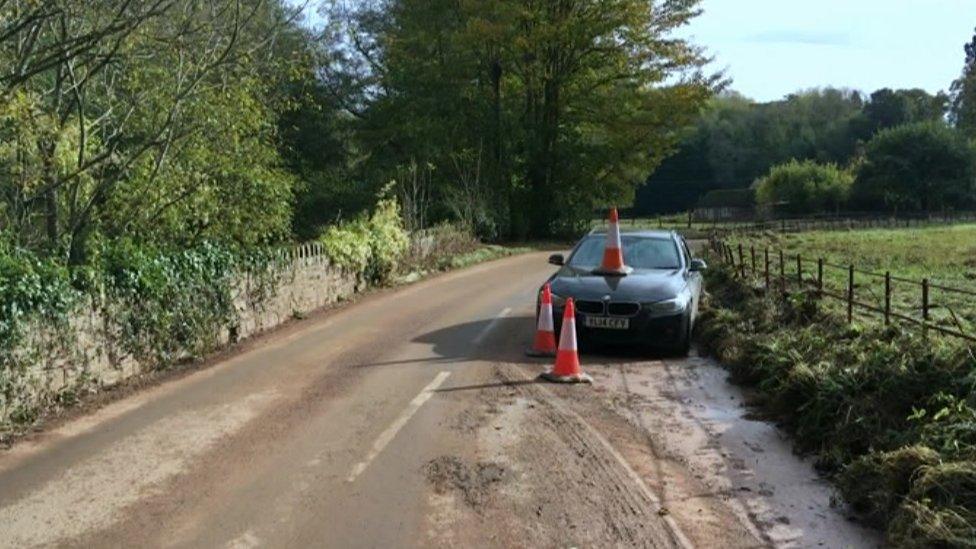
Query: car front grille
x=590, y=307
x=623, y=309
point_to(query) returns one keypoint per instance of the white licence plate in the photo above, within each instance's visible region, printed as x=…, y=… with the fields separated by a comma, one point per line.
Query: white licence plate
x=606, y=322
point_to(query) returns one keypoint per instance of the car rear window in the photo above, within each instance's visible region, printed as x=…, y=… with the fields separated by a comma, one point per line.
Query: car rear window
x=640, y=252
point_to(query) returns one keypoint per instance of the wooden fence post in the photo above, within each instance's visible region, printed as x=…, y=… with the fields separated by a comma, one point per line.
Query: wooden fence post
x=820, y=265
x=850, y=294
x=925, y=299
x=767, y=269
x=782, y=270
x=752, y=253
x=742, y=262
x=887, y=298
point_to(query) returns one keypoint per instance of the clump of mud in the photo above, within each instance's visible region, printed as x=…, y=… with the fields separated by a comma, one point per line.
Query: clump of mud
x=475, y=482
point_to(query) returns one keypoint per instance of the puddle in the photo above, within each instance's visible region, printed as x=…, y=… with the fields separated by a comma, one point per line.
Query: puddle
x=729, y=450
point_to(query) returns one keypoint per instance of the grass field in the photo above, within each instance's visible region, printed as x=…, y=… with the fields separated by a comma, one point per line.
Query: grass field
x=945, y=255
x=700, y=228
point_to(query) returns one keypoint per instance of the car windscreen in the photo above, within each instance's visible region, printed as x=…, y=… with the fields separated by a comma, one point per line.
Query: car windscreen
x=640, y=252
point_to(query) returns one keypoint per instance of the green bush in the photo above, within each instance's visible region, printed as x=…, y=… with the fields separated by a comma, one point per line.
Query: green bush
x=388, y=240
x=348, y=245
x=804, y=187
x=370, y=246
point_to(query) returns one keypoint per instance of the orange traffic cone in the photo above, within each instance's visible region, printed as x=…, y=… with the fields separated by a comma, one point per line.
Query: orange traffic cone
x=545, y=337
x=567, y=369
x=613, y=255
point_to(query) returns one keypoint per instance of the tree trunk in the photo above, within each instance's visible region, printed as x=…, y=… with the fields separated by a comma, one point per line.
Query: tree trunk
x=542, y=179
x=51, y=218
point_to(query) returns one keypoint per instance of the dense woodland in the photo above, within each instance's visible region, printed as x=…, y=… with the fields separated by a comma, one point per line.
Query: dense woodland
x=176, y=122
x=830, y=149
x=172, y=123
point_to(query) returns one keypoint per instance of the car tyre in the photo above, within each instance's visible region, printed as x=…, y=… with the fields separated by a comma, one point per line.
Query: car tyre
x=683, y=346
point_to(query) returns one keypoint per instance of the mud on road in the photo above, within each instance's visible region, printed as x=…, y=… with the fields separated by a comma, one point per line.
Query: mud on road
x=654, y=450
x=413, y=418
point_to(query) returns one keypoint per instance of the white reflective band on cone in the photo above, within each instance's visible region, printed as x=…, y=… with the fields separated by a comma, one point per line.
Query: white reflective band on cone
x=613, y=236
x=545, y=318
x=567, y=339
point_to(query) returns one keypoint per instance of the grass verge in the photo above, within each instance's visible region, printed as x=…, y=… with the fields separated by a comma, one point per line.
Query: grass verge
x=890, y=413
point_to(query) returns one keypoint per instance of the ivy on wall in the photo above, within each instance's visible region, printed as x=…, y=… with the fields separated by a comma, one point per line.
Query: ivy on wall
x=161, y=305
x=31, y=289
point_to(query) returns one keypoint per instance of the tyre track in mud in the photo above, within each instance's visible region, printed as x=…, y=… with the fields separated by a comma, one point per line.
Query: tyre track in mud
x=723, y=479
x=632, y=512
x=748, y=519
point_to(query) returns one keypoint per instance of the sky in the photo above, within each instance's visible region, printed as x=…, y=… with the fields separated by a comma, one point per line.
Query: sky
x=770, y=48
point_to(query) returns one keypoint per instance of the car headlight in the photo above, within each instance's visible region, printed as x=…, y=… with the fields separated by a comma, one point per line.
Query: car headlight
x=676, y=305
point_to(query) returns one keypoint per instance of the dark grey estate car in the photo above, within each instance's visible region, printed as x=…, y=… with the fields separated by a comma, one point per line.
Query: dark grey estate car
x=653, y=306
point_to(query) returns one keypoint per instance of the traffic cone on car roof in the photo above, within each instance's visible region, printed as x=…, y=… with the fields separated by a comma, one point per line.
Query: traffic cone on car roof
x=613, y=254
x=545, y=337
x=567, y=369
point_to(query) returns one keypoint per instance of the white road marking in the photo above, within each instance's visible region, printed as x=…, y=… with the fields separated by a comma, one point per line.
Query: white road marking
x=394, y=428
x=491, y=326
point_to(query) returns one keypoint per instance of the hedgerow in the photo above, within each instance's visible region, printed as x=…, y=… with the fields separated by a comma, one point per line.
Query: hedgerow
x=164, y=305
x=889, y=411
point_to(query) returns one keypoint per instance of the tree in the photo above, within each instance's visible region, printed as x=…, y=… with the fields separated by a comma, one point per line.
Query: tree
x=889, y=108
x=963, y=93
x=736, y=140
x=922, y=166
x=804, y=187
x=147, y=118
x=541, y=110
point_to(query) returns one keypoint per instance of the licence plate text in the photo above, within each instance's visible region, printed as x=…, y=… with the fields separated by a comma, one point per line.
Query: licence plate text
x=606, y=322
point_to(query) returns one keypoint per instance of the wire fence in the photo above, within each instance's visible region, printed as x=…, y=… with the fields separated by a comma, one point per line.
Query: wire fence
x=822, y=222
x=924, y=303
x=849, y=222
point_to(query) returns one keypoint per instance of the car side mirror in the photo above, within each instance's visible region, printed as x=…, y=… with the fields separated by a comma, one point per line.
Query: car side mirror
x=557, y=259
x=697, y=265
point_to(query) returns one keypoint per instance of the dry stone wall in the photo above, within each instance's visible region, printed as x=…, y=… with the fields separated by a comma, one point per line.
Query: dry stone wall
x=86, y=352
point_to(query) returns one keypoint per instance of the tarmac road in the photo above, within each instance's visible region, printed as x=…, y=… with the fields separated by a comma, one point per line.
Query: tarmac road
x=411, y=418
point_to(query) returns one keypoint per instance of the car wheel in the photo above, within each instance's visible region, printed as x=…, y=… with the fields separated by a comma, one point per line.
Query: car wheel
x=683, y=346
